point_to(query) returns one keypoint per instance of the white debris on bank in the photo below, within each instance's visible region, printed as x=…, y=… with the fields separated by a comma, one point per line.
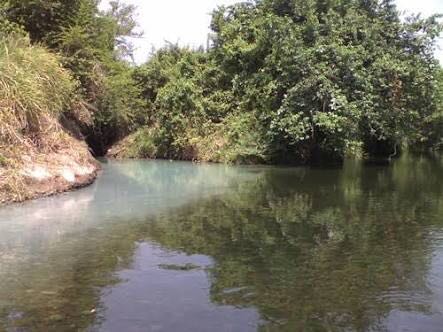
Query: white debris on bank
x=69, y=173
x=38, y=173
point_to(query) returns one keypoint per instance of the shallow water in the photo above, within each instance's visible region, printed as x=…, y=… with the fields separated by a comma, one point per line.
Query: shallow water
x=160, y=246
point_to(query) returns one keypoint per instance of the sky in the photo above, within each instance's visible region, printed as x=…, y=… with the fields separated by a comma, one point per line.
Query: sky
x=187, y=22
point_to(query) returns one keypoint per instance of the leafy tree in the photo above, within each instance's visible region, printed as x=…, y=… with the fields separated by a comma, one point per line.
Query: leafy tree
x=433, y=135
x=299, y=81
x=326, y=77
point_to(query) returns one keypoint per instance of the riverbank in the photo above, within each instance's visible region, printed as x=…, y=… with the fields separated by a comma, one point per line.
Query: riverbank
x=42, y=151
x=29, y=174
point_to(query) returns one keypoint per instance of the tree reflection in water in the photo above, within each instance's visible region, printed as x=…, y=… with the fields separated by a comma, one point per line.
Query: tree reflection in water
x=310, y=249
x=318, y=249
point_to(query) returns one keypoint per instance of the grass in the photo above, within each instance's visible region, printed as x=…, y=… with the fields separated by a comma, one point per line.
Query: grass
x=33, y=88
x=34, y=91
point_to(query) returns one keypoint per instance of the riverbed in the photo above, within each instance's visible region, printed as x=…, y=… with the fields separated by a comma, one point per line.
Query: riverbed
x=174, y=246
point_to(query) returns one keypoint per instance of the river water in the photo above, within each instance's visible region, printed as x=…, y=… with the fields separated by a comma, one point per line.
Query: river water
x=172, y=246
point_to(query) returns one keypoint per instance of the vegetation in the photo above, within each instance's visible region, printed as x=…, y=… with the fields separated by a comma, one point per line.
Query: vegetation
x=34, y=86
x=92, y=46
x=35, y=90
x=283, y=80
x=294, y=81
x=436, y=121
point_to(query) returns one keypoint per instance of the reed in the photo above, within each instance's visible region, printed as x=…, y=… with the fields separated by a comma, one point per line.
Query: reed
x=35, y=91
x=34, y=87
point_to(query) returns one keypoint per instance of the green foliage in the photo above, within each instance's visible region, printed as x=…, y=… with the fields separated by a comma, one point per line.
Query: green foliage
x=144, y=144
x=171, y=85
x=298, y=81
x=436, y=119
x=120, y=108
x=283, y=81
x=189, y=115
x=6, y=26
x=321, y=76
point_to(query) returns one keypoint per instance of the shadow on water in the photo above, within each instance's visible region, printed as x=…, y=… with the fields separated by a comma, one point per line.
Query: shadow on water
x=172, y=246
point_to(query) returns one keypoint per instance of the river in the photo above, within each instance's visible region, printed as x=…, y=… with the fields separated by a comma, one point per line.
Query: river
x=173, y=246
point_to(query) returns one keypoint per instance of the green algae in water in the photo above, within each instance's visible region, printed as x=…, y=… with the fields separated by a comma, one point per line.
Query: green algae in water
x=176, y=267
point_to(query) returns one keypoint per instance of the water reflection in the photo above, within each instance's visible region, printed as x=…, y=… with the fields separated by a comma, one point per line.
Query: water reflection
x=172, y=247
x=162, y=294
x=59, y=253
x=322, y=249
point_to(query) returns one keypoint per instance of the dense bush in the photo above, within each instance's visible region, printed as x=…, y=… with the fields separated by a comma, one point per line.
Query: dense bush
x=297, y=81
x=283, y=81
x=191, y=112
x=436, y=132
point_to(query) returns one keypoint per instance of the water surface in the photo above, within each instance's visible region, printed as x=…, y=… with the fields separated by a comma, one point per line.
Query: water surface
x=160, y=246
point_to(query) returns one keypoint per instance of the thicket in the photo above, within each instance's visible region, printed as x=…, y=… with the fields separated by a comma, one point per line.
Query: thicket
x=436, y=121
x=282, y=81
x=295, y=81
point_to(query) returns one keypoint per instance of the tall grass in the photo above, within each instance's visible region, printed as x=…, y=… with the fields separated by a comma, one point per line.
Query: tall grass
x=33, y=88
x=34, y=91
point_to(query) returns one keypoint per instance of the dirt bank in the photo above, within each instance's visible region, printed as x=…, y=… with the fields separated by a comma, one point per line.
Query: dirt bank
x=27, y=172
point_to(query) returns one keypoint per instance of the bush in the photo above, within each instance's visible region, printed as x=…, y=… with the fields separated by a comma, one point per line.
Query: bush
x=306, y=81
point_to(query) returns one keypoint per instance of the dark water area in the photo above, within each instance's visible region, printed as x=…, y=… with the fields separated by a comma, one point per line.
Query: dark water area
x=160, y=246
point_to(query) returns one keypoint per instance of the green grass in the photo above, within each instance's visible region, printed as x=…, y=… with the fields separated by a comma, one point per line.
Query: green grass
x=34, y=91
x=33, y=86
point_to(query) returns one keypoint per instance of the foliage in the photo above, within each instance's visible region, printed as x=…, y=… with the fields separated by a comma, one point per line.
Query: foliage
x=173, y=85
x=323, y=76
x=283, y=81
x=435, y=132
x=190, y=114
x=299, y=81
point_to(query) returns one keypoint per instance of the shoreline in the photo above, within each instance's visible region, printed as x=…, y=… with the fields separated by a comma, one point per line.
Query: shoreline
x=52, y=187
x=57, y=173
